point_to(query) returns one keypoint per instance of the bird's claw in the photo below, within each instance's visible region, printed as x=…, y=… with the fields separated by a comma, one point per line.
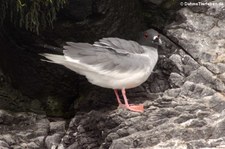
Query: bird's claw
x=135, y=108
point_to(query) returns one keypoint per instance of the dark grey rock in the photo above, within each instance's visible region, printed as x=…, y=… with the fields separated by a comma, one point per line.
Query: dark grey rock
x=217, y=10
x=216, y=102
x=3, y=144
x=218, y=129
x=112, y=136
x=196, y=22
x=204, y=46
x=206, y=77
x=212, y=67
x=176, y=79
x=74, y=145
x=172, y=93
x=42, y=127
x=39, y=141
x=177, y=59
x=221, y=67
x=9, y=139
x=222, y=77
x=197, y=91
x=23, y=129
x=157, y=2
x=5, y=117
x=53, y=141
x=58, y=127
x=30, y=145
x=184, y=117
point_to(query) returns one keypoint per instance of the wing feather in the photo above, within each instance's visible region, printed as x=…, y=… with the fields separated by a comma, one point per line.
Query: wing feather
x=121, y=45
x=107, y=55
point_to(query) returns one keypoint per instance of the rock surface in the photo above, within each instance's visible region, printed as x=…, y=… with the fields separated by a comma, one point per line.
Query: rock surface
x=184, y=103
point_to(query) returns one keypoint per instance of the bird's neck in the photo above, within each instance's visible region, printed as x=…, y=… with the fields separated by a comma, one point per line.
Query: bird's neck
x=152, y=53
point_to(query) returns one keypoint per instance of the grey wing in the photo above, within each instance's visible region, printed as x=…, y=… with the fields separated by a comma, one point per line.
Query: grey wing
x=102, y=59
x=120, y=45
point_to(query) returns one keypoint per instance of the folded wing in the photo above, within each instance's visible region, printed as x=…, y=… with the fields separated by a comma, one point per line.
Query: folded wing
x=108, y=56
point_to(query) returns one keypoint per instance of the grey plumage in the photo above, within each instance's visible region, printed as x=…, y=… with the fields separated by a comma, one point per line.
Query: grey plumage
x=108, y=54
x=111, y=62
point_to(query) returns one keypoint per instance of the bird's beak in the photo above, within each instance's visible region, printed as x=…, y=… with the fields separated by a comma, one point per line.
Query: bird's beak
x=157, y=40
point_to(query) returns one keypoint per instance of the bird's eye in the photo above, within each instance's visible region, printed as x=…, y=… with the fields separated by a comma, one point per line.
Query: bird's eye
x=146, y=35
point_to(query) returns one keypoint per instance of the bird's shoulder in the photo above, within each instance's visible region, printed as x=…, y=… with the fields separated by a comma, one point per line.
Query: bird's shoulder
x=119, y=45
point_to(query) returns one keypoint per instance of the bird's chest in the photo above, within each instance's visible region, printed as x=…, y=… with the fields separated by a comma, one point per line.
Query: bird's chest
x=134, y=79
x=139, y=77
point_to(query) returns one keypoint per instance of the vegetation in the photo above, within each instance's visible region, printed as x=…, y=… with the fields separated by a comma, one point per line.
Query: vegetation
x=30, y=14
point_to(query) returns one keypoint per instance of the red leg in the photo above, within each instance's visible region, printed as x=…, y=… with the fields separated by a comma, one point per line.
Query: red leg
x=118, y=98
x=136, y=108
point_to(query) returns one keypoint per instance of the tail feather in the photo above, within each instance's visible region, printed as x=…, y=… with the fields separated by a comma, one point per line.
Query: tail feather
x=61, y=60
x=53, y=58
x=75, y=66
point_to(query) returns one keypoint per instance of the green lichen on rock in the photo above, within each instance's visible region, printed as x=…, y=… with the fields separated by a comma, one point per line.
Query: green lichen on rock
x=13, y=100
x=58, y=107
x=54, y=106
x=31, y=15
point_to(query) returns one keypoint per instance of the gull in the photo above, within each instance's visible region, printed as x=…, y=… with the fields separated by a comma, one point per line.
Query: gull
x=113, y=63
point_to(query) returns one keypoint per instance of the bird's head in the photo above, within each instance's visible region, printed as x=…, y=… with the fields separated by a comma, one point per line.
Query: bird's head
x=150, y=38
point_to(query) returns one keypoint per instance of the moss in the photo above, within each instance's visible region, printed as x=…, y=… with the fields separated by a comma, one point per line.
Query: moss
x=35, y=106
x=31, y=15
x=13, y=100
x=58, y=107
x=54, y=106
